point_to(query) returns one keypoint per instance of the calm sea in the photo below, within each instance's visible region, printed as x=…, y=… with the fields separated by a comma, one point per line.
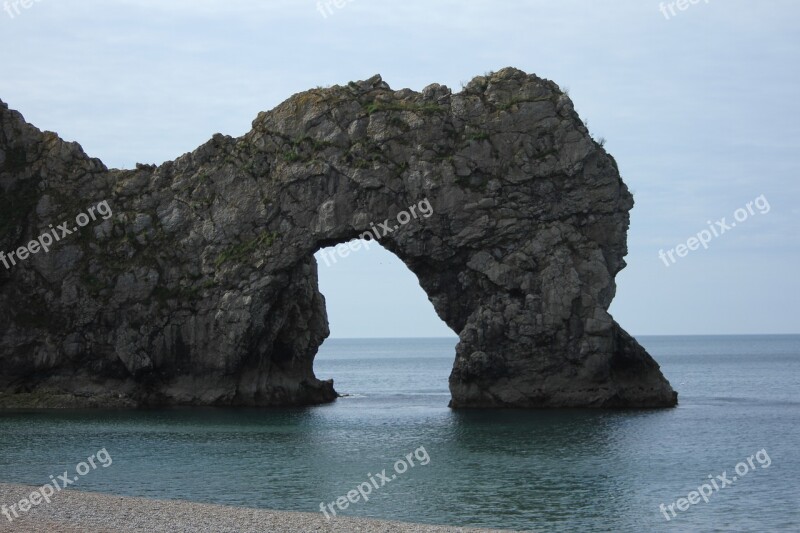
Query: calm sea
x=574, y=470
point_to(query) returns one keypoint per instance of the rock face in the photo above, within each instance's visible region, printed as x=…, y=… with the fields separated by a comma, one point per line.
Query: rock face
x=194, y=282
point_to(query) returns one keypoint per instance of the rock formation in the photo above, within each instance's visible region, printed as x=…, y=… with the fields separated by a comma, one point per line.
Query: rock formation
x=201, y=287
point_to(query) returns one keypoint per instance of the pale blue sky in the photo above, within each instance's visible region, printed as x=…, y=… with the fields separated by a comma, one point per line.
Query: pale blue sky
x=700, y=111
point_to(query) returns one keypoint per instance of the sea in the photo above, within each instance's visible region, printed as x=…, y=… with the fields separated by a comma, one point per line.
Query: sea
x=726, y=459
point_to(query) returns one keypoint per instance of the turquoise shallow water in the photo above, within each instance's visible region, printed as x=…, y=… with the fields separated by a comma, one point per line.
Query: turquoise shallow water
x=574, y=470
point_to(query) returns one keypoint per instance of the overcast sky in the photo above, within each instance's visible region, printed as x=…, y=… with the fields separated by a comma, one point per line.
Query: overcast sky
x=699, y=108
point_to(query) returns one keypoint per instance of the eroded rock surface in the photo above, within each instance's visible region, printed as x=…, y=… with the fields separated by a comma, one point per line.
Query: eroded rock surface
x=201, y=288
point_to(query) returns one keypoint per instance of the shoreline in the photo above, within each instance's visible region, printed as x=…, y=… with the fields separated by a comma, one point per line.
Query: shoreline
x=77, y=511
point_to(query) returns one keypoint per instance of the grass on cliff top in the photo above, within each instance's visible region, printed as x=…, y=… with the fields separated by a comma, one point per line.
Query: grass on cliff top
x=425, y=109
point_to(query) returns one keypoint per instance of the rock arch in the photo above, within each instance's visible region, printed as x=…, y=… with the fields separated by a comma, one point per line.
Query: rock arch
x=202, y=286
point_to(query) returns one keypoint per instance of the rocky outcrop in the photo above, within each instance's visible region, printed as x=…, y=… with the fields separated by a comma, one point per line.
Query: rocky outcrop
x=194, y=282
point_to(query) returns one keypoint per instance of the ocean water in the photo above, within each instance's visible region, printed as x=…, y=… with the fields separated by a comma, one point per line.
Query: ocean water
x=573, y=470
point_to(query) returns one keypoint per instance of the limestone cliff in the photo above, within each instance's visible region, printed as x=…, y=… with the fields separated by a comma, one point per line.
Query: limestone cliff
x=201, y=287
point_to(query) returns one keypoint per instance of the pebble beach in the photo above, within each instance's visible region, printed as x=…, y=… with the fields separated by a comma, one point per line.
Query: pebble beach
x=74, y=511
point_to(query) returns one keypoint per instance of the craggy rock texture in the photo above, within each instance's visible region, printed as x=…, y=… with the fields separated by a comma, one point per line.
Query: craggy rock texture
x=201, y=289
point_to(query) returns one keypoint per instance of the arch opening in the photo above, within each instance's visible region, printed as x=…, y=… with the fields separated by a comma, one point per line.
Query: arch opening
x=385, y=336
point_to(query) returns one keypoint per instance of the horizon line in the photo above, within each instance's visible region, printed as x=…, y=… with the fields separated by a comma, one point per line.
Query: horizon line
x=633, y=335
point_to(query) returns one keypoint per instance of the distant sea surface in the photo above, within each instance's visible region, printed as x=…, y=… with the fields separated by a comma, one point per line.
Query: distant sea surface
x=569, y=470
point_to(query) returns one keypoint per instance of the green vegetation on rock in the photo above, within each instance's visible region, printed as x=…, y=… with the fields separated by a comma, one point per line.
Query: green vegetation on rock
x=240, y=251
x=425, y=109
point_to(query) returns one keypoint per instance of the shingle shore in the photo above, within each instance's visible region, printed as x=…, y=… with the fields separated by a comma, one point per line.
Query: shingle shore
x=74, y=511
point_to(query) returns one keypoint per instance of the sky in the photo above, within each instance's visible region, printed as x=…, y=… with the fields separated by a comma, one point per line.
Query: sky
x=699, y=107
